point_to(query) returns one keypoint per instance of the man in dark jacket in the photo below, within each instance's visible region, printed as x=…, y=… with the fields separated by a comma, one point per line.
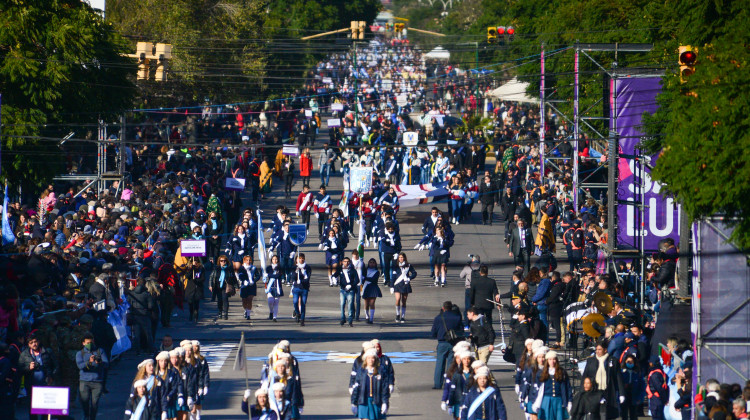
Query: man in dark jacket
x=448, y=320
x=483, y=288
x=482, y=334
x=141, y=304
x=520, y=245
x=604, y=371
x=488, y=197
x=37, y=365
x=555, y=306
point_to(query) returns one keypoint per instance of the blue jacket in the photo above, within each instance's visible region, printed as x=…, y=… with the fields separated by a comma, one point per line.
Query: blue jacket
x=387, y=245
x=455, y=387
x=452, y=321
x=285, y=247
x=493, y=406
x=353, y=278
x=438, y=246
x=380, y=394
x=301, y=279
x=542, y=292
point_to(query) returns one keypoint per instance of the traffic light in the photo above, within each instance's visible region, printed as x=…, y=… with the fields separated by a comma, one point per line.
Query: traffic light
x=358, y=29
x=142, y=52
x=491, y=34
x=362, y=26
x=398, y=27
x=688, y=56
x=511, y=33
x=163, y=54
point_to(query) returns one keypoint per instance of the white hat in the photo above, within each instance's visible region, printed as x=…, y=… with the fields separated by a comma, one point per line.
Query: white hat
x=537, y=344
x=478, y=364
x=529, y=341
x=280, y=362
x=278, y=386
x=175, y=352
x=461, y=345
x=164, y=355
x=371, y=352
x=482, y=371
x=375, y=341
x=261, y=391
x=463, y=354
x=541, y=350
x=140, y=382
x=367, y=345
x=196, y=343
x=283, y=344
x=551, y=355
x=145, y=362
x=186, y=343
x=284, y=355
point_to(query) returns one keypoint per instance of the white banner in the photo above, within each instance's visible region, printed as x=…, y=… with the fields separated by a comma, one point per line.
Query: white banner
x=290, y=150
x=337, y=107
x=235, y=184
x=334, y=122
x=308, y=113
x=411, y=138
x=360, y=180
x=193, y=247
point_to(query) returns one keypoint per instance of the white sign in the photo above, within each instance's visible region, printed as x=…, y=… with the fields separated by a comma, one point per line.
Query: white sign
x=411, y=138
x=451, y=142
x=193, y=247
x=48, y=400
x=431, y=145
x=334, y=122
x=290, y=150
x=327, y=80
x=236, y=184
x=402, y=99
x=337, y=107
x=387, y=84
x=360, y=180
x=308, y=113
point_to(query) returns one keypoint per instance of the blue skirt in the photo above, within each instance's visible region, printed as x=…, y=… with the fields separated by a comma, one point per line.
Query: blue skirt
x=529, y=410
x=333, y=258
x=552, y=409
x=369, y=411
x=402, y=287
x=456, y=410
x=248, y=291
x=371, y=291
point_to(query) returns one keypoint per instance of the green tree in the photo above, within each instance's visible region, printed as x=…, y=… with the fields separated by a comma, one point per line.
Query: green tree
x=702, y=129
x=60, y=63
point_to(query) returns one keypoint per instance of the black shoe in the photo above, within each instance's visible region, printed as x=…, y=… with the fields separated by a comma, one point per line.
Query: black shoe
x=302, y=323
x=226, y=316
x=350, y=324
x=295, y=314
x=270, y=317
x=342, y=322
x=398, y=318
x=369, y=321
x=403, y=320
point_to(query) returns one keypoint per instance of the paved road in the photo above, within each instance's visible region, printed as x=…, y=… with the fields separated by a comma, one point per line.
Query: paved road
x=324, y=348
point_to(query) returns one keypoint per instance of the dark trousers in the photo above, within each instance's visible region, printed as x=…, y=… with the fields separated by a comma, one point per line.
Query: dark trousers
x=629, y=411
x=487, y=210
x=288, y=180
x=305, y=217
x=166, y=299
x=89, y=393
x=222, y=301
x=142, y=335
x=306, y=180
x=556, y=322
x=193, y=307
x=467, y=304
x=322, y=217
x=444, y=353
x=523, y=259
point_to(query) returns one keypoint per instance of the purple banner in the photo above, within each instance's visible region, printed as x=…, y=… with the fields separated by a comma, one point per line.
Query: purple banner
x=631, y=97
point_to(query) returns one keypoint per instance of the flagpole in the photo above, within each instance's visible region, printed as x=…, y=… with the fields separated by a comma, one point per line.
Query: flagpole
x=247, y=381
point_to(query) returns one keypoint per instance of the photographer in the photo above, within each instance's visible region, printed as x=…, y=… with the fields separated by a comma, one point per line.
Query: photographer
x=92, y=363
x=38, y=366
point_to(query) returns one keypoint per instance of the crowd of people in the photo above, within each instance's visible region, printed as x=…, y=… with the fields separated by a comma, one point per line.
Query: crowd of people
x=79, y=254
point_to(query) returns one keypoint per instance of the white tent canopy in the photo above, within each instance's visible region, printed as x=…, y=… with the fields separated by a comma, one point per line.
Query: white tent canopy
x=514, y=91
x=439, y=53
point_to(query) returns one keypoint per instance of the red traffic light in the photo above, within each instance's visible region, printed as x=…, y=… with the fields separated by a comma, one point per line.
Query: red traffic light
x=688, y=58
x=511, y=31
x=501, y=30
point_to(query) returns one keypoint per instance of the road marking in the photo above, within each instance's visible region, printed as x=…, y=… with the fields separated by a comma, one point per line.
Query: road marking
x=216, y=354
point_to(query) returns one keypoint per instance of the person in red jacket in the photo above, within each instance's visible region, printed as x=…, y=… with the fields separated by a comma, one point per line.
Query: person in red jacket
x=305, y=167
x=305, y=204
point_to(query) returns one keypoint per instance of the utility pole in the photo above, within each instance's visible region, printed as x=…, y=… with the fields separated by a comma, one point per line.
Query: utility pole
x=356, y=90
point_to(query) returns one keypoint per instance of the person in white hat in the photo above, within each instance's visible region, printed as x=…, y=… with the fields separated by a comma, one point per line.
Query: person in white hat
x=530, y=381
x=386, y=366
x=171, y=383
x=204, y=374
x=140, y=406
x=261, y=408
x=522, y=364
x=280, y=403
x=146, y=372
x=358, y=363
x=555, y=396
x=181, y=405
x=457, y=380
x=283, y=376
x=370, y=395
x=483, y=399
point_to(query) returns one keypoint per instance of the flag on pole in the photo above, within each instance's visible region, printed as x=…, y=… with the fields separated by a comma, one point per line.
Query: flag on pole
x=8, y=237
x=362, y=236
x=240, y=359
x=261, y=244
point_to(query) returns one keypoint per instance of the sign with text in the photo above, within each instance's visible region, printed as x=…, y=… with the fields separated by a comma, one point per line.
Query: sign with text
x=298, y=234
x=308, y=113
x=327, y=80
x=411, y=138
x=290, y=150
x=49, y=400
x=360, y=180
x=402, y=99
x=235, y=184
x=334, y=122
x=193, y=247
x=337, y=107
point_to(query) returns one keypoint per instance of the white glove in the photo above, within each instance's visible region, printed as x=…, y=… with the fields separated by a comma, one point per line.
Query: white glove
x=354, y=409
x=442, y=251
x=297, y=213
x=320, y=246
x=301, y=410
x=191, y=403
x=163, y=415
x=317, y=215
x=429, y=246
x=351, y=390
x=390, y=389
x=200, y=391
x=268, y=230
x=622, y=399
x=421, y=247
x=391, y=290
x=348, y=287
x=570, y=406
x=292, y=254
x=180, y=402
x=241, y=252
x=518, y=389
x=416, y=246
x=205, y=390
x=384, y=408
x=326, y=248
x=395, y=257
x=247, y=395
x=444, y=406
